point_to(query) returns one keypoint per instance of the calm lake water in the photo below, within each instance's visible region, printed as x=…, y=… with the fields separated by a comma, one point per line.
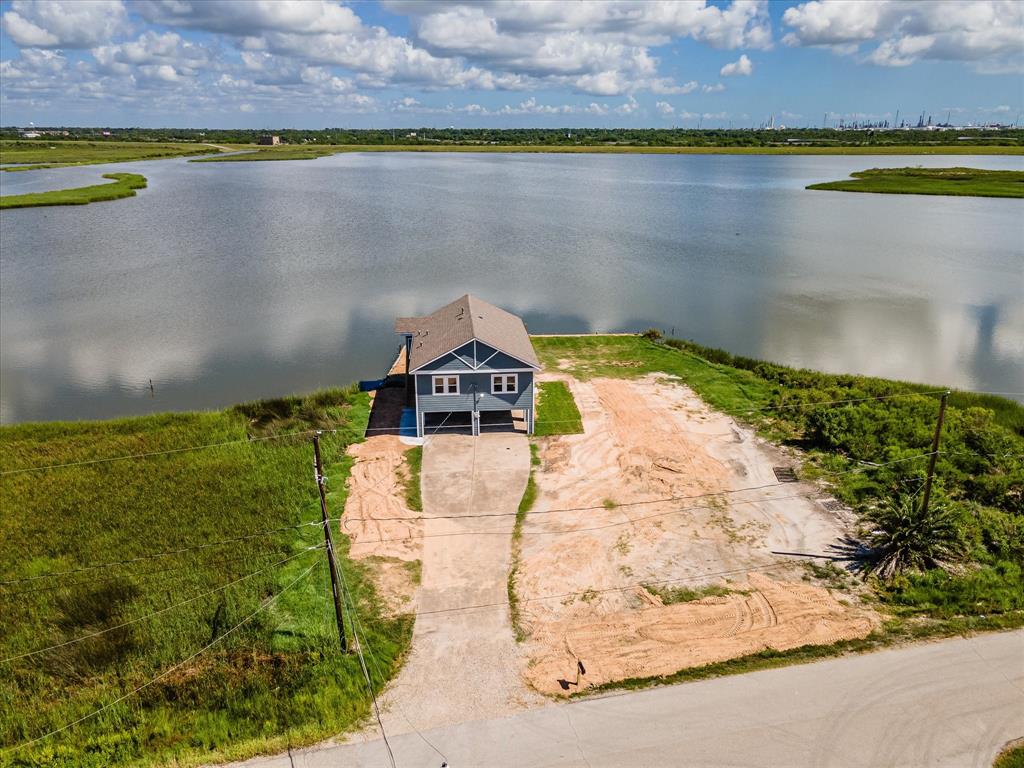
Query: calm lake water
x=226, y=282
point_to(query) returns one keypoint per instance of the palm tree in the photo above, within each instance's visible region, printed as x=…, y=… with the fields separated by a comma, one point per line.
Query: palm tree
x=903, y=537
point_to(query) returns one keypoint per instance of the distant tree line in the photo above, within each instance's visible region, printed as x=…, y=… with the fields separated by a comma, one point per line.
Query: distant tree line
x=644, y=137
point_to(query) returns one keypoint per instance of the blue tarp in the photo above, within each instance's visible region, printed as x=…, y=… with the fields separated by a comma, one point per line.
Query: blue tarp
x=407, y=426
x=371, y=385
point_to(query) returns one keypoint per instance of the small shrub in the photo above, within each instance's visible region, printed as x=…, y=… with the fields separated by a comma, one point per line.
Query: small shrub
x=652, y=334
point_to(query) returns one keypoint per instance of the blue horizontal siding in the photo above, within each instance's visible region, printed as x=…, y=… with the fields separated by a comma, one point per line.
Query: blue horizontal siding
x=474, y=386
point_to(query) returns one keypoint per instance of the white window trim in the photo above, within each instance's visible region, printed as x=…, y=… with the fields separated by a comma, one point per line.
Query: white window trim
x=444, y=377
x=504, y=391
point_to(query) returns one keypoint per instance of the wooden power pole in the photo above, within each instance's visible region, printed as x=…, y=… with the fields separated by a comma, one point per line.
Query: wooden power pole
x=319, y=468
x=934, y=456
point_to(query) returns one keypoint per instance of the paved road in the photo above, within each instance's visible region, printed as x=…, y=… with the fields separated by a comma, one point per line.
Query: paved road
x=953, y=703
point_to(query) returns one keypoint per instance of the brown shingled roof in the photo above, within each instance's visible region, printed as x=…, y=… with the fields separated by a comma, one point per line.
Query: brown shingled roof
x=463, y=320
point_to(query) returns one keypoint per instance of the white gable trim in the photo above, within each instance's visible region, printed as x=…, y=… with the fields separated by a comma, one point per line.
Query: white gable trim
x=530, y=367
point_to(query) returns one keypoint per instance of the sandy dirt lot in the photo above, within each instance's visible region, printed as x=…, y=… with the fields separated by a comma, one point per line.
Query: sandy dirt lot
x=383, y=530
x=597, y=531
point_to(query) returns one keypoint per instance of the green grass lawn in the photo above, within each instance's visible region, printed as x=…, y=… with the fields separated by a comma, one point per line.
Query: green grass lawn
x=278, y=679
x=557, y=413
x=932, y=181
x=124, y=185
x=42, y=153
x=980, y=474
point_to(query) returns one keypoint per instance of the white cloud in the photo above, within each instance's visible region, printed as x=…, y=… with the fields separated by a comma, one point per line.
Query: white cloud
x=665, y=109
x=987, y=33
x=716, y=88
x=252, y=17
x=628, y=107
x=742, y=66
x=64, y=23
x=165, y=56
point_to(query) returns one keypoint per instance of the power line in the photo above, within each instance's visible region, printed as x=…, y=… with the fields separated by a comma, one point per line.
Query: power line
x=148, y=454
x=661, y=500
x=625, y=588
x=345, y=520
x=143, y=575
x=347, y=596
x=263, y=606
x=155, y=613
x=848, y=400
x=167, y=553
x=396, y=703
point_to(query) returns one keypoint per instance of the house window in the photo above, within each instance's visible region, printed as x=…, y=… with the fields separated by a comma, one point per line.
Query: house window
x=504, y=383
x=446, y=385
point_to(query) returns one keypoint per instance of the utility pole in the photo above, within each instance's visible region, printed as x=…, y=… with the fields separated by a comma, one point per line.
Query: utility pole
x=319, y=470
x=934, y=456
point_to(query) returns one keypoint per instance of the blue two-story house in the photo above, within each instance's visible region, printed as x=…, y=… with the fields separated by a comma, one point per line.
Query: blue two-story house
x=465, y=359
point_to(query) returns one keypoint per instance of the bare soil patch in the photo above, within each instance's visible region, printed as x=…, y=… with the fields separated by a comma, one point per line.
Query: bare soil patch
x=383, y=530
x=602, y=526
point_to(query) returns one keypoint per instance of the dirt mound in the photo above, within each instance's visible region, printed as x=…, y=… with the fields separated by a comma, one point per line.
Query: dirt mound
x=660, y=640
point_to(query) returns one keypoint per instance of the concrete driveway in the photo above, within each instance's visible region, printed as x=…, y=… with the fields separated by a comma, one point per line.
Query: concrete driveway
x=465, y=665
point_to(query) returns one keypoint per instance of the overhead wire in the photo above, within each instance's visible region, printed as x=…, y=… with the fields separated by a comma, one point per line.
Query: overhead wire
x=136, y=620
x=166, y=553
x=348, y=598
x=262, y=607
x=623, y=588
x=192, y=567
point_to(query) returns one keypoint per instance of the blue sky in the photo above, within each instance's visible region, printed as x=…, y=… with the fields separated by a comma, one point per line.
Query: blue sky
x=504, y=63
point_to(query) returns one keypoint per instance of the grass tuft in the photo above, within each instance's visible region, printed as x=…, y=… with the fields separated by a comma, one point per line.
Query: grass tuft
x=411, y=478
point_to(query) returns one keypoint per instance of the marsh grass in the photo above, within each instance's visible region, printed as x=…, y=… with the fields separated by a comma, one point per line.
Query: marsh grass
x=972, y=182
x=278, y=679
x=849, y=446
x=44, y=153
x=124, y=185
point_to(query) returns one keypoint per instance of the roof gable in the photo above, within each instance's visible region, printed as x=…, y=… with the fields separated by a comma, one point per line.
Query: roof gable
x=460, y=322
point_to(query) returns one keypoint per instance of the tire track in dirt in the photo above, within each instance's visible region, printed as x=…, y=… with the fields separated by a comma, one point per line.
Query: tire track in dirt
x=645, y=439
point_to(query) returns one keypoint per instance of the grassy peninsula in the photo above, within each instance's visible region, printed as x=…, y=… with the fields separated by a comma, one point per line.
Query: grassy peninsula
x=972, y=182
x=124, y=185
x=162, y=555
x=44, y=153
